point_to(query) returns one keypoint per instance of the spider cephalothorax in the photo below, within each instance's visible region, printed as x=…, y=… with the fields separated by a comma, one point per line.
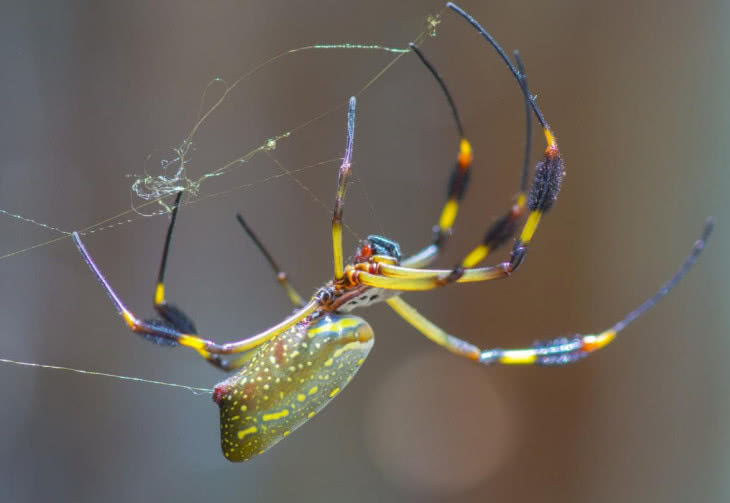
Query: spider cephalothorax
x=376, y=245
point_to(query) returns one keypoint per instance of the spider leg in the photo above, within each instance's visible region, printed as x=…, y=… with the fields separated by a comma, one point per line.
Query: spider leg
x=209, y=350
x=169, y=312
x=542, y=195
x=442, y=231
x=432, y=331
x=504, y=227
x=342, y=176
x=281, y=276
x=543, y=192
x=458, y=181
x=392, y=277
x=173, y=316
x=558, y=351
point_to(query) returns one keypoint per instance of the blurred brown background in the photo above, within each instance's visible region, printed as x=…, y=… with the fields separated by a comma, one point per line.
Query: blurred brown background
x=637, y=94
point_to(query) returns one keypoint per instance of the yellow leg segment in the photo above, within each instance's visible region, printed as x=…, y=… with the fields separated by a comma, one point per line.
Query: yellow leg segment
x=475, y=256
x=528, y=231
x=160, y=294
x=405, y=279
x=499, y=232
x=337, y=249
x=291, y=292
x=457, y=188
x=555, y=352
x=432, y=331
x=267, y=335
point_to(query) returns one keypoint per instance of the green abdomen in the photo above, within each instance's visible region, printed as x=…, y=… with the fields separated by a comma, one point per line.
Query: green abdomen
x=287, y=381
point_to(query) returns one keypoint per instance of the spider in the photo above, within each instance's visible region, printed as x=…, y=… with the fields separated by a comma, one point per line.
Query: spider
x=289, y=372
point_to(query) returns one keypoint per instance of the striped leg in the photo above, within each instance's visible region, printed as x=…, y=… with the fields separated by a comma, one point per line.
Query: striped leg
x=458, y=181
x=432, y=331
x=342, y=177
x=207, y=349
x=543, y=193
x=170, y=313
x=392, y=277
x=281, y=276
x=172, y=316
x=551, y=352
x=541, y=197
x=546, y=183
x=505, y=226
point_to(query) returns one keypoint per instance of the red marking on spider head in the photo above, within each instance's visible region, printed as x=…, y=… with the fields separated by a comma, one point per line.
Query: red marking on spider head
x=364, y=253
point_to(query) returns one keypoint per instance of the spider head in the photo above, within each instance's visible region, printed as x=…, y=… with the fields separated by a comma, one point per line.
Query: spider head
x=377, y=245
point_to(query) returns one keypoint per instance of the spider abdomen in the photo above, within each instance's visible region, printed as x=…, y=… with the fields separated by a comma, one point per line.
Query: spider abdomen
x=287, y=381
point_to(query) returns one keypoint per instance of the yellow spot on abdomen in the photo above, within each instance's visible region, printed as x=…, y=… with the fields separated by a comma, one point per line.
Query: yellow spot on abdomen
x=334, y=392
x=301, y=397
x=331, y=327
x=347, y=347
x=275, y=415
x=248, y=431
x=313, y=390
x=329, y=362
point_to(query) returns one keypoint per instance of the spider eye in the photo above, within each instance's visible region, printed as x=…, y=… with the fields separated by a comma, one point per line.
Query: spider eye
x=366, y=251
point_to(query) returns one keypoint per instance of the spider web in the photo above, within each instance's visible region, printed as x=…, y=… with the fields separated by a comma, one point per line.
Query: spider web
x=152, y=191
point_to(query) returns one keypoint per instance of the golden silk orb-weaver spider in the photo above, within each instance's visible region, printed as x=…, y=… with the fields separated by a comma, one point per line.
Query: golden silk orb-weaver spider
x=286, y=374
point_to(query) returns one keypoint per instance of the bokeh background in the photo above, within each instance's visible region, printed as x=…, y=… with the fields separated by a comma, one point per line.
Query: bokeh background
x=637, y=94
